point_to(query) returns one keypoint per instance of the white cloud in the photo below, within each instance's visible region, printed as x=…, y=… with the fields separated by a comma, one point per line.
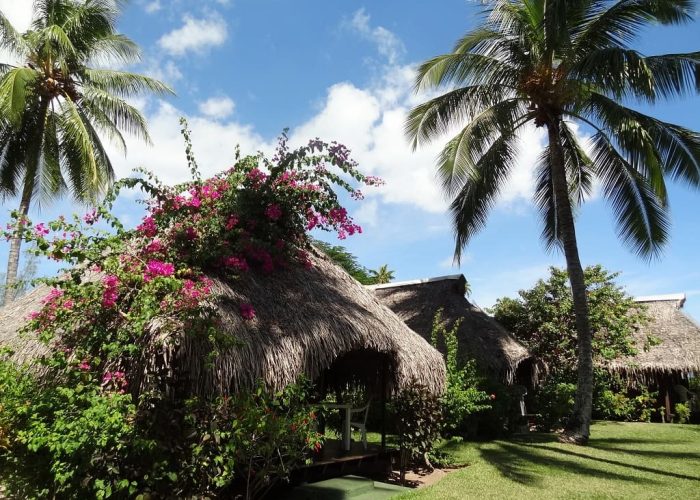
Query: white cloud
x=367, y=214
x=153, y=6
x=213, y=143
x=217, y=107
x=195, y=35
x=165, y=71
x=387, y=43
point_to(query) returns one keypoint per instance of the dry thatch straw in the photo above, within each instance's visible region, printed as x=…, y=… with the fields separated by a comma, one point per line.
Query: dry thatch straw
x=679, y=350
x=305, y=321
x=480, y=336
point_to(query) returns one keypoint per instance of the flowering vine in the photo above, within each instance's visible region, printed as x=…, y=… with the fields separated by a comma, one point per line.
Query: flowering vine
x=253, y=217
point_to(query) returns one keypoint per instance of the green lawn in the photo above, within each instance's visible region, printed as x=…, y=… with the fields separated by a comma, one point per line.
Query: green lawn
x=623, y=460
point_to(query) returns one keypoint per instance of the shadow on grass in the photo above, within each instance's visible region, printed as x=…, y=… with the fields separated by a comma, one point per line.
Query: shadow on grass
x=637, y=467
x=525, y=463
x=649, y=453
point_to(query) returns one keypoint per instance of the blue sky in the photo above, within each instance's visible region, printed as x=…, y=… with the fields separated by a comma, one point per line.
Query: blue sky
x=245, y=69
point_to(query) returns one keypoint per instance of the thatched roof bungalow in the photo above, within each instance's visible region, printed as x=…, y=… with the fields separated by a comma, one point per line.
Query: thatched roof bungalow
x=316, y=322
x=480, y=336
x=678, y=337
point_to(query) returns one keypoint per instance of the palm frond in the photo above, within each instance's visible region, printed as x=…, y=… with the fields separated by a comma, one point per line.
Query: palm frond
x=643, y=220
x=439, y=115
x=123, y=115
x=465, y=69
x=472, y=204
x=78, y=146
x=114, y=47
x=618, y=24
x=648, y=142
x=579, y=167
x=14, y=93
x=625, y=73
x=463, y=152
x=49, y=181
x=123, y=83
x=10, y=38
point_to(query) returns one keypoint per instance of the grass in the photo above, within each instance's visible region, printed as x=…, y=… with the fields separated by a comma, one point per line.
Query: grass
x=622, y=461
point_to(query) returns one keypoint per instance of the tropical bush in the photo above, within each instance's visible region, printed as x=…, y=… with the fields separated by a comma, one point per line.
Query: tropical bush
x=417, y=416
x=95, y=425
x=682, y=412
x=462, y=396
x=543, y=318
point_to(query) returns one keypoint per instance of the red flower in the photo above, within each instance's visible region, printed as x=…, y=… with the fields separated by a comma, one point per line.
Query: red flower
x=247, y=311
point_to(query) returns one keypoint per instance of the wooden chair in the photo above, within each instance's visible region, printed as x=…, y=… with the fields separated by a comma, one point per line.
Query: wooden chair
x=360, y=426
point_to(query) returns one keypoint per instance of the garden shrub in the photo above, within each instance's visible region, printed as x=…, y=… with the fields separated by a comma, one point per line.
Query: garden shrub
x=682, y=412
x=462, y=396
x=93, y=426
x=417, y=416
x=254, y=437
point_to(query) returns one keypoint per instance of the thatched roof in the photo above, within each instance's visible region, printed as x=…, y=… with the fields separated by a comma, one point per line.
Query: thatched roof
x=480, y=336
x=305, y=320
x=679, y=350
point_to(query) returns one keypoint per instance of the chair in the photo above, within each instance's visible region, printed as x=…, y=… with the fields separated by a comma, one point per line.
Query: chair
x=360, y=426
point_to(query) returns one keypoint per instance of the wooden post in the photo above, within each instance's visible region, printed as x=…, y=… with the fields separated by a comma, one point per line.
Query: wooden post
x=668, y=401
x=382, y=381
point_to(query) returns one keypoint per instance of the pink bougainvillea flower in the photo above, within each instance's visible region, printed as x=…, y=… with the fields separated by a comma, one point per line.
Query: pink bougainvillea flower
x=232, y=222
x=54, y=294
x=247, y=311
x=157, y=268
x=40, y=230
x=273, y=211
x=154, y=247
x=238, y=263
x=111, y=293
x=148, y=227
x=84, y=365
x=91, y=217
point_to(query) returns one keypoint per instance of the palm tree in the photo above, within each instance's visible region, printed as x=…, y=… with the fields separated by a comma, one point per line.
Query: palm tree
x=382, y=275
x=55, y=108
x=552, y=63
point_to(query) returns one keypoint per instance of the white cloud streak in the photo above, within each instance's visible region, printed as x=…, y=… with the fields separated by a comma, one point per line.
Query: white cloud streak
x=217, y=107
x=195, y=35
x=387, y=43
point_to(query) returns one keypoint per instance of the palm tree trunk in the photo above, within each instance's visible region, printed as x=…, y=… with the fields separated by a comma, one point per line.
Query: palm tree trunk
x=32, y=159
x=578, y=427
x=15, y=245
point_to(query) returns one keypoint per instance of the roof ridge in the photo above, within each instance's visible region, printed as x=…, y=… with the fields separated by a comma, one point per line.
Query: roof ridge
x=415, y=282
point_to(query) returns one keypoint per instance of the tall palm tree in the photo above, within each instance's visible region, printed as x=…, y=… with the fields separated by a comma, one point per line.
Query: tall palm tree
x=382, y=275
x=55, y=107
x=552, y=63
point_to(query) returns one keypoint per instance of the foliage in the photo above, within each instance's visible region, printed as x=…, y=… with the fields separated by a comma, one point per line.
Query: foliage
x=382, y=275
x=128, y=292
x=682, y=412
x=56, y=110
x=417, y=416
x=258, y=435
x=550, y=64
x=553, y=403
x=462, y=394
x=556, y=64
x=543, y=318
x=65, y=440
x=341, y=256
